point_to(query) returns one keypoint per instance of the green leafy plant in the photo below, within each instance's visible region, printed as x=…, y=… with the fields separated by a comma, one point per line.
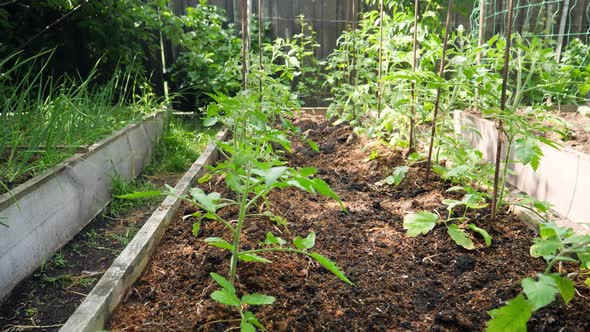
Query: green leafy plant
x=251, y=169
x=555, y=245
x=423, y=222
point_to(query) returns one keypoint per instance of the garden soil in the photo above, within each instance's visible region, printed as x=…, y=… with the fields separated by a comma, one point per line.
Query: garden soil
x=45, y=300
x=426, y=283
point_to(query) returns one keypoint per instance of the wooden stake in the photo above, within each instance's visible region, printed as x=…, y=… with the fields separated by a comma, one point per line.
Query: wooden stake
x=412, y=142
x=441, y=71
x=380, y=70
x=502, y=107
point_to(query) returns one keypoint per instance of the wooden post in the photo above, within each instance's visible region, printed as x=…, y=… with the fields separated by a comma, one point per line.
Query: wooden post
x=502, y=107
x=412, y=140
x=441, y=71
x=379, y=69
x=561, y=33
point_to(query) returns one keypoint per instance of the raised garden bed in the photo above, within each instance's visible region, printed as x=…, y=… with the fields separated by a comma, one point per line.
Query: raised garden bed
x=45, y=212
x=563, y=177
x=402, y=283
x=94, y=312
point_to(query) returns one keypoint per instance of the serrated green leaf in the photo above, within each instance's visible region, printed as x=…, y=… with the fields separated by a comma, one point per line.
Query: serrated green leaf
x=253, y=258
x=140, y=194
x=271, y=175
x=313, y=145
x=330, y=266
x=486, y=236
x=219, y=243
x=245, y=326
x=226, y=297
x=528, y=151
x=324, y=189
x=271, y=240
x=544, y=248
x=304, y=244
x=460, y=237
x=307, y=171
x=539, y=293
x=398, y=175
x=419, y=223
x=196, y=228
x=565, y=286
x=211, y=121
x=205, y=178
x=584, y=258
x=452, y=203
x=224, y=283
x=512, y=317
x=233, y=182
x=208, y=201
x=455, y=188
x=251, y=318
x=258, y=299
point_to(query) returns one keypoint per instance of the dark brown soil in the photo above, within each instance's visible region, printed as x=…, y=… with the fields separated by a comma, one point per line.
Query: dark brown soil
x=45, y=300
x=402, y=283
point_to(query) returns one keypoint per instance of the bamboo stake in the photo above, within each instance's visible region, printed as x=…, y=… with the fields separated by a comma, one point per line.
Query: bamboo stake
x=353, y=70
x=380, y=70
x=412, y=142
x=244, y=45
x=441, y=71
x=502, y=107
x=260, y=47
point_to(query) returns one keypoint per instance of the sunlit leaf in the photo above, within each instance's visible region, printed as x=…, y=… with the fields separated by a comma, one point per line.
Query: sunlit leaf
x=258, y=299
x=460, y=237
x=330, y=266
x=512, y=317
x=419, y=223
x=540, y=292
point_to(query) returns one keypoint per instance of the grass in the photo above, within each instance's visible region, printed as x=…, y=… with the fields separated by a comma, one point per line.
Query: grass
x=46, y=119
x=181, y=145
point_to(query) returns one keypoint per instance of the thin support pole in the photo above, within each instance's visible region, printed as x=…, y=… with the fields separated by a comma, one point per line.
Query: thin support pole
x=163, y=59
x=244, y=45
x=441, y=71
x=502, y=108
x=353, y=62
x=563, y=22
x=260, y=48
x=412, y=142
x=380, y=70
x=482, y=10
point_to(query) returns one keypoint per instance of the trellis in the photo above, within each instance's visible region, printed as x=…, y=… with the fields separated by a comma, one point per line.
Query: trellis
x=556, y=21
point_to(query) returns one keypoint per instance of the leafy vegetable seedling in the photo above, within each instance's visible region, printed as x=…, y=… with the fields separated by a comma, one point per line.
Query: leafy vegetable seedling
x=424, y=221
x=554, y=244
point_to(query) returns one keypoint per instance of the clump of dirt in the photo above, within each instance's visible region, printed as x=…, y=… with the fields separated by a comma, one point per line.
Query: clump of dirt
x=401, y=283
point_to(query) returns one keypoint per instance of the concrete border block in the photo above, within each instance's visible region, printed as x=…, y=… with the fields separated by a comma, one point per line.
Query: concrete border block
x=95, y=311
x=563, y=177
x=46, y=212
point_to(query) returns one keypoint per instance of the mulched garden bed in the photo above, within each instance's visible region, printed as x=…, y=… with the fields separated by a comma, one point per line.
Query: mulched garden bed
x=402, y=283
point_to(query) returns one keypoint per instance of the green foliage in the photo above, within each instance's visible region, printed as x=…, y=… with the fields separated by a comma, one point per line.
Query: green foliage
x=45, y=119
x=555, y=244
x=510, y=318
x=420, y=223
x=423, y=222
x=207, y=62
x=399, y=174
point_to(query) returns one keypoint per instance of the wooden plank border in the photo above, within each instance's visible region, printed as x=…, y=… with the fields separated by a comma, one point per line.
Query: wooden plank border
x=96, y=310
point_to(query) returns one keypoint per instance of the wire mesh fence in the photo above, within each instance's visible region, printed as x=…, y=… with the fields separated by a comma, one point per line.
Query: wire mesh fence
x=557, y=22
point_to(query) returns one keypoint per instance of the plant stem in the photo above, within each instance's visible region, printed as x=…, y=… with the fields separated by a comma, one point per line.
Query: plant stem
x=238, y=231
